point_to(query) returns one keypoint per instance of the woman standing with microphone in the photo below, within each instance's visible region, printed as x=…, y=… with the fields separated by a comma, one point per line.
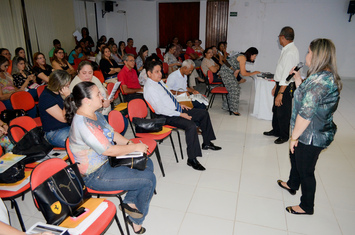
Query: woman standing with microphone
x=315, y=101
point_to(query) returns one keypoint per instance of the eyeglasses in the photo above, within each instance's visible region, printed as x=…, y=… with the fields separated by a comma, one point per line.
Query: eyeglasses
x=130, y=60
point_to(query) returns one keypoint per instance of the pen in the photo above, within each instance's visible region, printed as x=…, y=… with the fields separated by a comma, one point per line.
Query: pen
x=147, y=148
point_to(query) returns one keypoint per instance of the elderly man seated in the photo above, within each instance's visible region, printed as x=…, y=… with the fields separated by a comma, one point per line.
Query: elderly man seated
x=177, y=82
x=158, y=95
x=129, y=79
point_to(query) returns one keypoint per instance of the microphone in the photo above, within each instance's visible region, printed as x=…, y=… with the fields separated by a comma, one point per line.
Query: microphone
x=300, y=65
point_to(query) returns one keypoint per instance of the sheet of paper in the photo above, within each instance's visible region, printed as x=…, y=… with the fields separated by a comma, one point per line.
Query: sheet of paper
x=113, y=92
x=77, y=34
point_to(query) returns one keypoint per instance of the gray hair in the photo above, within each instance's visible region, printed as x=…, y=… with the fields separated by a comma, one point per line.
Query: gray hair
x=125, y=57
x=187, y=63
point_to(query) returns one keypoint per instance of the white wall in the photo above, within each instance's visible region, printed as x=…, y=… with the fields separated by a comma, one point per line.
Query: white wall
x=259, y=22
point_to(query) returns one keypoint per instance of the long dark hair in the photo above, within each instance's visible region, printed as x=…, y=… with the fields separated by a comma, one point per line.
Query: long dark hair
x=251, y=51
x=74, y=101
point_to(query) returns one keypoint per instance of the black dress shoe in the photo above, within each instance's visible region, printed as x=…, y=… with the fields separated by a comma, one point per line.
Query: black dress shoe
x=134, y=213
x=140, y=231
x=210, y=146
x=280, y=140
x=270, y=133
x=292, y=211
x=195, y=164
x=291, y=191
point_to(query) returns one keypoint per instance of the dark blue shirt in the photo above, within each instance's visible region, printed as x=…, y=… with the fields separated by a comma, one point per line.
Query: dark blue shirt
x=47, y=100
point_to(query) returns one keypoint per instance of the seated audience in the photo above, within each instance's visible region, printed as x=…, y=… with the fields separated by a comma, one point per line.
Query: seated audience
x=24, y=79
x=114, y=54
x=197, y=47
x=41, y=68
x=102, y=39
x=86, y=50
x=142, y=78
x=100, y=45
x=216, y=58
x=121, y=49
x=51, y=108
x=178, y=52
x=108, y=66
x=209, y=64
x=20, y=52
x=76, y=54
x=229, y=74
x=129, y=49
x=129, y=79
x=86, y=38
x=6, y=53
x=192, y=54
x=7, y=87
x=142, y=55
x=5, y=142
x=158, y=95
x=170, y=59
x=60, y=63
x=56, y=45
x=92, y=141
x=222, y=51
x=177, y=82
x=110, y=41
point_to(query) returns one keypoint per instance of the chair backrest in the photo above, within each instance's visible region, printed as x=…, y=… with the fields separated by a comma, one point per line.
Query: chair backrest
x=22, y=100
x=99, y=75
x=186, y=56
x=2, y=107
x=40, y=89
x=210, y=76
x=109, y=89
x=69, y=152
x=26, y=122
x=161, y=57
x=165, y=68
x=115, y=119
x=158, y=51
x=76, y=63
x=137, y=108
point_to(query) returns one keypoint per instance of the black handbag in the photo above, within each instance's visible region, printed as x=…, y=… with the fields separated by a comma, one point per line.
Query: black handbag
x=32, y=144
x=13, y=174
x=139, y=163
x=148, y=125
x=61, y=194
x=8, y=114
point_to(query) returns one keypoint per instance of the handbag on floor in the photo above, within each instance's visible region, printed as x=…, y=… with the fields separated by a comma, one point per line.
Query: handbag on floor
x=61, y=194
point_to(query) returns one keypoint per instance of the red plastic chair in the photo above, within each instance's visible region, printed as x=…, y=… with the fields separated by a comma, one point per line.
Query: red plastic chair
x=186, y=56
x=165, y=68
x=173, y=128
x=116, y=193
x=158, y=51
x=99, y=75
x=109, y=89
x=115, y=119
x=217, y=90
x=40, y=89
x=26, y=122
x=76, y=63
x=51, y=166
x=138, y=108
x=12, y=195
x=24, y=100
x=2, y=107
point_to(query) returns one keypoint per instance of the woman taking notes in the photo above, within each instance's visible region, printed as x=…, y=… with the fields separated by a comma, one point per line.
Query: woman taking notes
x=315, y=101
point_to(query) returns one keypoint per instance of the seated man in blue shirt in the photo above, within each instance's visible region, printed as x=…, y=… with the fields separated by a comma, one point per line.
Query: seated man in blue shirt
x=158, y=95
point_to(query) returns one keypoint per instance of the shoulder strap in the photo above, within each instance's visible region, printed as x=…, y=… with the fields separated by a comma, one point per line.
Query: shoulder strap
x=9, y=133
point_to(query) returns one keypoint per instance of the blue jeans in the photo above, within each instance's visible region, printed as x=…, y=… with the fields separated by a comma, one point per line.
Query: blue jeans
x=57, y=137
x=139, y=184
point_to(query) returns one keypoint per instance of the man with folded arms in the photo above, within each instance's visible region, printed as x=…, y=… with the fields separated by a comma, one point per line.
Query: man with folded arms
x=158, y=95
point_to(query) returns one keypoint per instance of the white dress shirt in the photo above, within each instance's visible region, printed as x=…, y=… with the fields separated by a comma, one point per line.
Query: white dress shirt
x=157, y=97
x=176, y=81
x=288, y=59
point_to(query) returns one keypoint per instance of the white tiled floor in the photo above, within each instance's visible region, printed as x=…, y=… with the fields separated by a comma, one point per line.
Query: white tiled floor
x=238, y=194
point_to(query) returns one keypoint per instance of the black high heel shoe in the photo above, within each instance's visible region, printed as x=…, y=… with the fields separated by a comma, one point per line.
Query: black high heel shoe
x=141, y=231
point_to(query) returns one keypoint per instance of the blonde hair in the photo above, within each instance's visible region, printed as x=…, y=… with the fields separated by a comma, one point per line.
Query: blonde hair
x=324, y=58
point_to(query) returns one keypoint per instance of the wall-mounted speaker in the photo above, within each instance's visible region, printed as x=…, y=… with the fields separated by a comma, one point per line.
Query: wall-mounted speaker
x=108, y=6
x=351, y=9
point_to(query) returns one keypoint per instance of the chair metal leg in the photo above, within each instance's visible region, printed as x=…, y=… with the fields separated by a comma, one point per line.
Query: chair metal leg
x=178, y=135
x=157, y=154
x=118, y=224
x=211, y=100
x=172, y=144
x=14, y=204
x=123, y=213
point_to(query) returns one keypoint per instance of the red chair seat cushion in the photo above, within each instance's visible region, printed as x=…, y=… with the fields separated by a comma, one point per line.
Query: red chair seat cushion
x=219, y=90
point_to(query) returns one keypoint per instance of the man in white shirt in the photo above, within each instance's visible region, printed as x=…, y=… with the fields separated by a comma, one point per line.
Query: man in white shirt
x=283, y=90
x=158, y=95
x=177, y=82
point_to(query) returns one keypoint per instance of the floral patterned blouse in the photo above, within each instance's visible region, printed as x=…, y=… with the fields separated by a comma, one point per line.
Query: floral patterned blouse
x=316, y=100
